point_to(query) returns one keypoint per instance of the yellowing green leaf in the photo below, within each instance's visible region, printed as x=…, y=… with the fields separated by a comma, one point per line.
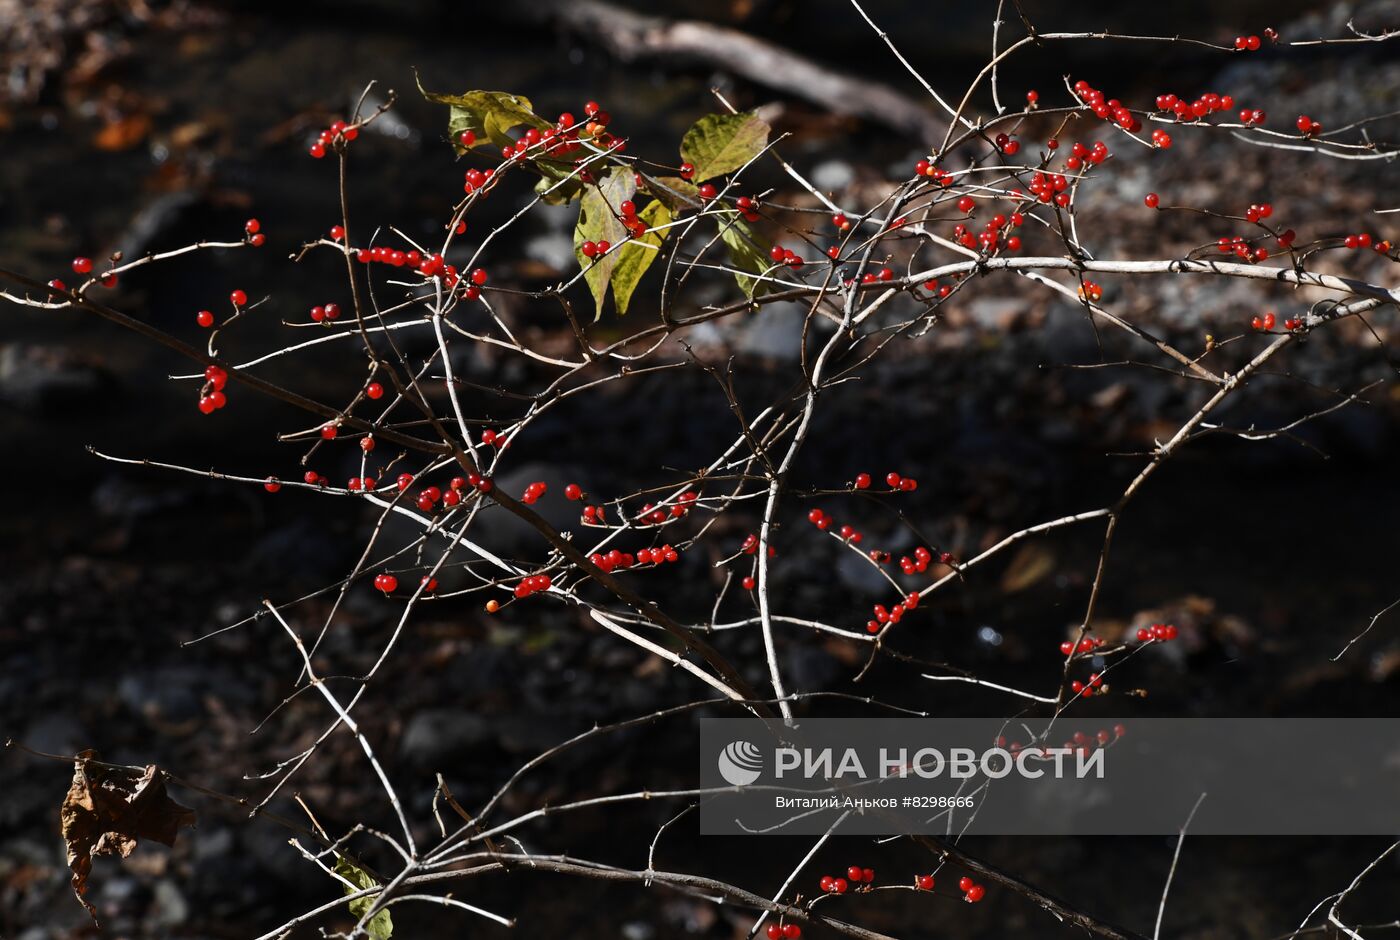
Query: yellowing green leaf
x=748, y=251
x=381, y=925
x=487, y=114
x=597, y=220
x=721, y=143
x=636, y=256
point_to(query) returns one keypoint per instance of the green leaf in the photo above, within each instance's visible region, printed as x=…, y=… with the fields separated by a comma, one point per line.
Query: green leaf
x=381, y=925
x=721, y=143
x=747, y=252
x=488, y=114
x=636, y=256
x=597, y=220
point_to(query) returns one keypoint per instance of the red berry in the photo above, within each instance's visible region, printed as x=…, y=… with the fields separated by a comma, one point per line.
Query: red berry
x=791, y=932
x=479, y=277
x=238, y=298
x=374, y=390
x=862, y=481
x=272, y=484
x=976, y=893
x=923, y=882
x=1150, y=200
x=892, y=480
x=775, y=932
x=204, y=318
x=386, y=583
x=708, y=191
x=82, y=265
x=328, y=432
x=573, y=492
x=252, y=226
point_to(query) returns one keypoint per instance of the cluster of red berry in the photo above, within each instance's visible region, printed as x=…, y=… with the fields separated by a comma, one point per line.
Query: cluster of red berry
x=595, y=249
x=646, y=556
x=253, y=230
x=84, y=266
x=787, y=256
x=783, y=932
x=1308, y=127
x=994, y=235
x=1082, y=743
x=212, y=397
x=386, y=582
x=1007, y=144
x=1364, y=240
x=940, y=176
x=1203, y=106
x=892, y=615
x=748, y=208
x=1090, y=291
x=1087, y=689
x=861, y=878
x=1248, y=43
x=654, y=515
x=1052, y=186
x=869, y=277
x=427, y=265
x=972, y=891
x=943, y=290
x=1158, y=632
x=1110, y=109
x=1258, y=210
x=1237, y=246
x=1079, y=154
x=1088, y=644
x=533, y=492
x=325, y=312
x=338, y=132
x=532, y=585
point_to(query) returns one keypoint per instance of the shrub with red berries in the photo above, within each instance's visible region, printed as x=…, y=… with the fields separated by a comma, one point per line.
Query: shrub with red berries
x=489, y=423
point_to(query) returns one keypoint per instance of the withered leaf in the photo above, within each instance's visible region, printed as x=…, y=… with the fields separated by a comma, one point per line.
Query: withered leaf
x=1031, y=565
x=109, y=809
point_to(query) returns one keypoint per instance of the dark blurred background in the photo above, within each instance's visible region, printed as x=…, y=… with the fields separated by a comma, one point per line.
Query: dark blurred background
x=140, y=126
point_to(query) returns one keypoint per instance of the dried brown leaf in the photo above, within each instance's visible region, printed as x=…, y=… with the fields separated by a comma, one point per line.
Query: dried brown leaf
x=1030, y=565
x=109, y=809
